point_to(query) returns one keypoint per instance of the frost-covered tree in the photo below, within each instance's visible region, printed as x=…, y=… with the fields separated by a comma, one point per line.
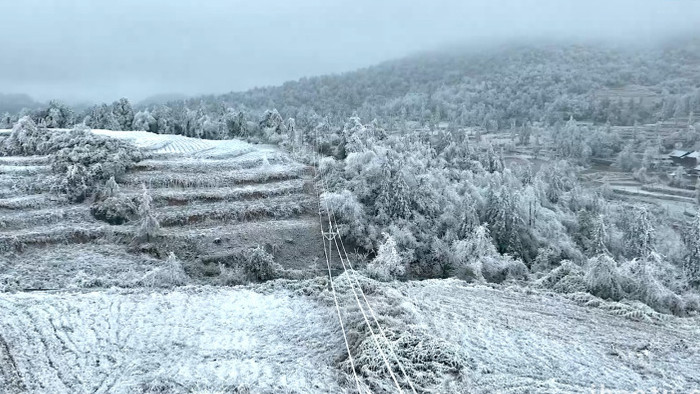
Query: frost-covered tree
x=355, y=136
x=570, y=141
x=602, y=278
x=102, y=117
x=123, y=114
x=627, y=160
x=471, y=253
x=6, y=121
x=592, y=233
x=235, y=123
x=144, y=121
x=148, y=225
x=24, y=138
x=58, y=115
x=210, y=128
x=295, y=135
x=387, y=265
x=492, y=161
x=691, y=265
x=164, y=119
x=111, y=187
x=639, y=234
x=503, y=220
x=393, y=201
x=272, y=125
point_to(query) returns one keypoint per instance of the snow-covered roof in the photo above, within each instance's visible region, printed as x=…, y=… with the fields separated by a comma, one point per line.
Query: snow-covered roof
x=694, y=154
x=678, y=153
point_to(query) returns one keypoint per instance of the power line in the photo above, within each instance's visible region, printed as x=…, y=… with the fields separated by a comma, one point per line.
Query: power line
x=371, y=310
x=335, y=296
x=359, y=304
x=333, y=237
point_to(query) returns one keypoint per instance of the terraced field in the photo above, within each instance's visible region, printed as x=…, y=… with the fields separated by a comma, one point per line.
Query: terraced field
x=211, y=198
x=678, y=202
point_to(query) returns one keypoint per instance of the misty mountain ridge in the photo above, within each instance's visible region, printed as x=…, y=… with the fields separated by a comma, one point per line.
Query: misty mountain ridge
x=10, y=102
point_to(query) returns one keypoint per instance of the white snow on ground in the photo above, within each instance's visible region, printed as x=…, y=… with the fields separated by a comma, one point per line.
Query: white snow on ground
x=189, y=339
x=177, y=144
x=181, y=145
x=516, y=341
x=526, y=341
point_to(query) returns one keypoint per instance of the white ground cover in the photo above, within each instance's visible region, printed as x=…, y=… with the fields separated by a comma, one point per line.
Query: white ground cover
x=177, y=144
x=197, y=338
x=187, y=340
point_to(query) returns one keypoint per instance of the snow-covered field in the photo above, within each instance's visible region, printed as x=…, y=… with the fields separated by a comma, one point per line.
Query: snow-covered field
x=177, y=341
x=170, y=144
x=181, y=145
x=526, y=341
x=271, y=339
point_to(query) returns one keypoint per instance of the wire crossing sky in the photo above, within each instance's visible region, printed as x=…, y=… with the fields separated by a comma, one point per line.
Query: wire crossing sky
x=98, y=50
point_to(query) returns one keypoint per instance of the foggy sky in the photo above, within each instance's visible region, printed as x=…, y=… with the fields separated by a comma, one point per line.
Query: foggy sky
x=102, y=50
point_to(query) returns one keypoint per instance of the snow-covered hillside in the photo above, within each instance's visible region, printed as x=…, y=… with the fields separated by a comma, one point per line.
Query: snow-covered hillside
x=272, y=339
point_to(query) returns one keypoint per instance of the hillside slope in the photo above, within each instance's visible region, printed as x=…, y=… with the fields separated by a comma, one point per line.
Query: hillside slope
x=213, y=199
x=270, y=338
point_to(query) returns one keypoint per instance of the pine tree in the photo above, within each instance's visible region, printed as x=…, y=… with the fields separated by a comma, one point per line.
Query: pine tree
x=149, y=226
x=503, y=220
x=123, y=114
x=639, y=233
x=111, y=188
x=393, y=201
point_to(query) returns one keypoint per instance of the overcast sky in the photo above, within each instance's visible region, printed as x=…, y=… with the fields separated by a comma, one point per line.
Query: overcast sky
x=103, y=50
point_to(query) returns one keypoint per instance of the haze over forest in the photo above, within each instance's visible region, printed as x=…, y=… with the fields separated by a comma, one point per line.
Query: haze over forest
x=86, y=52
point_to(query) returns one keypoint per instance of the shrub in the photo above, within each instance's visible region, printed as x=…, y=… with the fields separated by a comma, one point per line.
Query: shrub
x=232, y=276
x=171, y=274
x=114, y=210
x=260, y=265
x=567, y=278
x=245, y=266
x=602, y=278
x=388, y=264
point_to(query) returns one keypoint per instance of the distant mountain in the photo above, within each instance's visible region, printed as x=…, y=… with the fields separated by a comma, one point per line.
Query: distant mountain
x=13, y=103
x=161, y=99
x=496, y=86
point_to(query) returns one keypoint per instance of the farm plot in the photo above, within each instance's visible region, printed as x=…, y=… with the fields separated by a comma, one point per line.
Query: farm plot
x=524, y=341
x=270, y=338
x=189, y=340
x=236, y=198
